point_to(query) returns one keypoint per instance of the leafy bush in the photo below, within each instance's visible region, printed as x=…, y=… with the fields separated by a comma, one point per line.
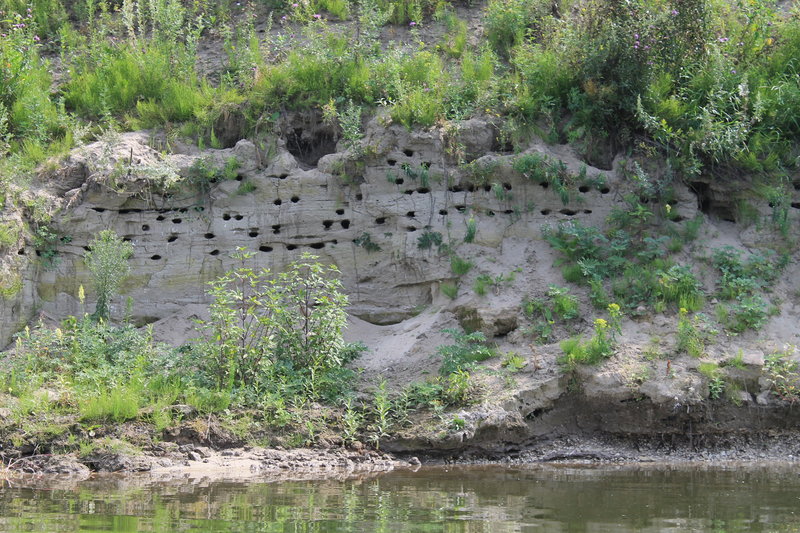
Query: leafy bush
x=747, y=312
x=468, y=349
x=783, y=374
x=598, y=348
x=460, y=266
x=716, y=379
x=680, y=287
x=115, y=80
x=107, y=260
x=288, y=325
x=27, y=113
x=693, y=333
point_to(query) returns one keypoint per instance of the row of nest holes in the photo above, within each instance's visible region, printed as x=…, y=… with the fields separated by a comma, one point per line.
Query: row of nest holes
x=294, y=200
x=267, y=249
x=568, y=212
x=472, y=188
x=507, y=186
x=161, y=216
x=327, y=224
x=408, y=153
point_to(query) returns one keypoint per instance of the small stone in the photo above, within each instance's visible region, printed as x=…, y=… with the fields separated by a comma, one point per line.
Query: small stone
x=414, y=461
x=194, y=456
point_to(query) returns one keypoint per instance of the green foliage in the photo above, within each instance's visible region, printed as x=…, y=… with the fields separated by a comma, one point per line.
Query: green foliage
x=9, y=234
x=693, y=333
x=288, y=325
x=598, y=348
x=565, y=305
x=28, y=115
x=484, y=281
x=115, y=80
x=513, y=362
x=680, y=287
x=429, y=239
x=558, y=303
x=541, y=169
x=743, y=280
x=782, y=372
x=365, y=242
x=203, y=173
x=747, y=312
x=460, y=266
x=468, y=349
x=472, y=230
x=107, y=260
x=116, y=403
x=741, y=277
x=716, y=379
x=450, y=290
x=508, y=21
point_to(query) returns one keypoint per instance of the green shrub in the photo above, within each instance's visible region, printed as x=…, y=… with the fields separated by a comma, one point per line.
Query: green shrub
x=115, y=403
x=107, y=260
x=472, y=230
x=468, y=349
x=783, y=375
x=693, y=333
x=507, y=21
x=747, y=312
x=565, y=305
x=450, y=290
x=460, y=266
x=680, y=287
x=716, y=379
x=27, y=112
x=598, y=348
x=114, y=80
x=292, y=321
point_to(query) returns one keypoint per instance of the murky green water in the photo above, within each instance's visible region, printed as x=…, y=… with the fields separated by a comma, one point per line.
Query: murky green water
x=462, y=499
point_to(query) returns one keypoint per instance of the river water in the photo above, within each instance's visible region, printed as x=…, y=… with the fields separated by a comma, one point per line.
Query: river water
x=563, y=498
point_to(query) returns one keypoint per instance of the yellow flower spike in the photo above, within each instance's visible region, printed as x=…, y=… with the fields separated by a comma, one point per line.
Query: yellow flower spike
x=81, y=295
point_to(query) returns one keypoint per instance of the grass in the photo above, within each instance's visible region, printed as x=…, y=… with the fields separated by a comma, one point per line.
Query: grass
x=460, y=266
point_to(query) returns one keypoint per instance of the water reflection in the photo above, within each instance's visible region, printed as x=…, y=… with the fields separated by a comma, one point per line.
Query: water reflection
x=461, y=499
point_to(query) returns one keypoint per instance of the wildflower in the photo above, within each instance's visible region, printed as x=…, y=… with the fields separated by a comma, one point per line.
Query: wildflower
x=723, y=39
x=733, y=71
x=294, y=5
x=317, y=15
x=36, y=38
x=674, y=12
x=412, y=23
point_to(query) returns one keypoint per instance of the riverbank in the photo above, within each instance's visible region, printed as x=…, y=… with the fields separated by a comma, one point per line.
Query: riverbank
x=170, y=461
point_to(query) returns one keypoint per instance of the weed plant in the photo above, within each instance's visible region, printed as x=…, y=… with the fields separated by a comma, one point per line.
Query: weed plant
x=782, y=372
